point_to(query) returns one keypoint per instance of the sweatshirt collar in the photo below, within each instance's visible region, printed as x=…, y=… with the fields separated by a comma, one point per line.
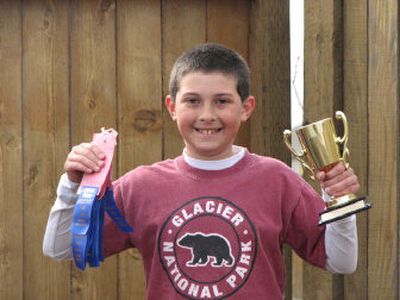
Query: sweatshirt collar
x=215, y=165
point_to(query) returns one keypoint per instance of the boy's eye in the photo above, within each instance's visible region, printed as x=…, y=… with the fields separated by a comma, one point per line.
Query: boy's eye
x=222, y=101
x=192, y=101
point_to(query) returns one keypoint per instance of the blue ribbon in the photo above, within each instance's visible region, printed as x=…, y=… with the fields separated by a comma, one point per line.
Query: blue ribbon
x=87, y=225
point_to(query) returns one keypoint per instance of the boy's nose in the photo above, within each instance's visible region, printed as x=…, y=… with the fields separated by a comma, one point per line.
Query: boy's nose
x=207, y=114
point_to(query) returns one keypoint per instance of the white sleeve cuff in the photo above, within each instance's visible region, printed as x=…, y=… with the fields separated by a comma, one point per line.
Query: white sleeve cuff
x=325, y=196
x=57, y=238
x=341, y=244
x=66, y=190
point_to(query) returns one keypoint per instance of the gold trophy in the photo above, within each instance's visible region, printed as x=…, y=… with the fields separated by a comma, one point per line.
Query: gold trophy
x=321, y=150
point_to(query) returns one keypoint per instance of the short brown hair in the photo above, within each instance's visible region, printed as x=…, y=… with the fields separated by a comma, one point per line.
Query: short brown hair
x=210, y=58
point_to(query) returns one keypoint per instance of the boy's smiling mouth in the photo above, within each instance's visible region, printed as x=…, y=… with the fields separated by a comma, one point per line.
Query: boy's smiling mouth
x=208, y=131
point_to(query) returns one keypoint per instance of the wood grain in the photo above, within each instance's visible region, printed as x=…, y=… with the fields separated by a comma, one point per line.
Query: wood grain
x=258, y=17
x=383, y=150
x=355, y=77
x=45, y=119
x=269, y=61
x=11, y=156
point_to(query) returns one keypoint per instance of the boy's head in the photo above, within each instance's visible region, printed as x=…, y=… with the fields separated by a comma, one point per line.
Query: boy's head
x=210, y=58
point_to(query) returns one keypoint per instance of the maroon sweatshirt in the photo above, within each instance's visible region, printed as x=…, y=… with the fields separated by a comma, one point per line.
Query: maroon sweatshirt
x=217, y=234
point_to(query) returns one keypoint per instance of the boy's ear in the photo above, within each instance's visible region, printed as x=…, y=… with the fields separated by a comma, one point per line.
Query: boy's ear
x=170, y=104
x=248, y=107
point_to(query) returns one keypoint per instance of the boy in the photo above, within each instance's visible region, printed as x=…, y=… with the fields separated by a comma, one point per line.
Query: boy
x=210, y=224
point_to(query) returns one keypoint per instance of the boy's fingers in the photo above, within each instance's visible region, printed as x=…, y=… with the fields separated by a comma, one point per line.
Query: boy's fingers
x=74, y=166
x=84, y=158
x=96, y=150
x=329, y=181
x=340, y=181
x=338, y=169
x=342, y=184
x=320, y=176
x=343, y=188
x=83, y=163
x=88, y=151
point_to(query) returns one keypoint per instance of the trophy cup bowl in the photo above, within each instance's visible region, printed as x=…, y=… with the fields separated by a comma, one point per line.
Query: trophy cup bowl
x=321, y=150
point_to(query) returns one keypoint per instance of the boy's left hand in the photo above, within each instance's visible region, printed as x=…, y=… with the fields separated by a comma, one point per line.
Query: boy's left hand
x=339, y=181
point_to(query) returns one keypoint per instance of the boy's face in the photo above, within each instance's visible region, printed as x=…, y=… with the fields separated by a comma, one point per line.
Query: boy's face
x=208, y=112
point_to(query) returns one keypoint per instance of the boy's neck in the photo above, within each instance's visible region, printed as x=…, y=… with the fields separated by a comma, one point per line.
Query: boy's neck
x=214, y=165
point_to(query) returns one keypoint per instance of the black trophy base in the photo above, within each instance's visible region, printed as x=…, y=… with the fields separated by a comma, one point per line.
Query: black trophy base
x=344, y=210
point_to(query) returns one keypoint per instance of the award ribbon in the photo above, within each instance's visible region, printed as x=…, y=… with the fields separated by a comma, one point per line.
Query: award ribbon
x=94, y=197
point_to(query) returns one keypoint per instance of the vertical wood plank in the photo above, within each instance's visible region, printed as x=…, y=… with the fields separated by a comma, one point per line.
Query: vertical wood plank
x=269, y=61
x=258, y=139
x=322, y=96
x=45, y=119
x=178, y=36
x=94, y=105
x=297, y=276
x=270, y=65
x=276, y=84
x=228, y=24
x=140, y=118
x=322, y=54
x=356, y=108
x=383, y=149
x=11, y=188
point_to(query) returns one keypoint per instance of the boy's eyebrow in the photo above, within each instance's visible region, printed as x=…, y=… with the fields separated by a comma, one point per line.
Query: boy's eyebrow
x=197, y=94
x=224, y=94
x=190, y=94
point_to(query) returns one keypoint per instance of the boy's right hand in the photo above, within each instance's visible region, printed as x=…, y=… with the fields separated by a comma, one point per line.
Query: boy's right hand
x=83, y=158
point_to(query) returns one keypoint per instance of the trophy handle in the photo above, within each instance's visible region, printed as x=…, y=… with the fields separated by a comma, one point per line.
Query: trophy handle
x=287, y=136
x=343, y=140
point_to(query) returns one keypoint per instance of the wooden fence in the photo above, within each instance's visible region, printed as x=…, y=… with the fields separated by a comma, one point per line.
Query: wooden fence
x=68, y=68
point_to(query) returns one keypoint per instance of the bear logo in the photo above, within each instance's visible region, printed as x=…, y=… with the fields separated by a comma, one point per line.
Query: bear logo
x=204, y=246
x=207, y=248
